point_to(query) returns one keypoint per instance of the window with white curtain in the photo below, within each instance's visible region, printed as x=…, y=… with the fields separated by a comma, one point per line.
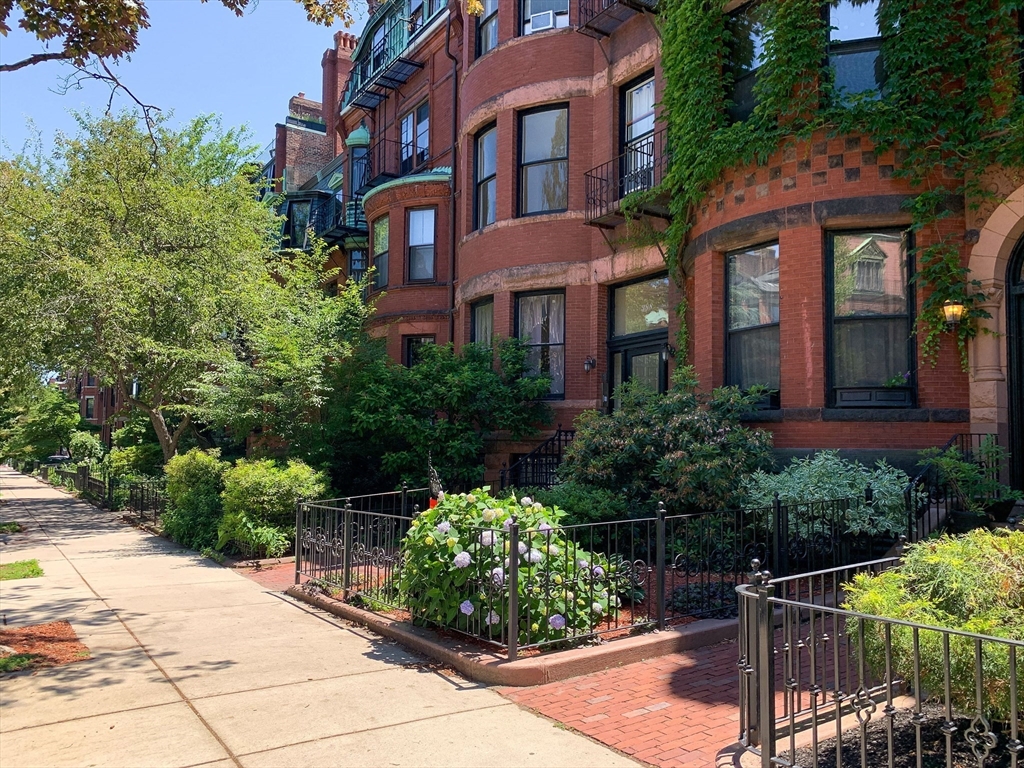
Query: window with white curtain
x=421, y=244
x=541, y=326
x=482, y=322
x=752, y=339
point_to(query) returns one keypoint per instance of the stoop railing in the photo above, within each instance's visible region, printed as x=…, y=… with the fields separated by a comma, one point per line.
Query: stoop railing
x=538, y=468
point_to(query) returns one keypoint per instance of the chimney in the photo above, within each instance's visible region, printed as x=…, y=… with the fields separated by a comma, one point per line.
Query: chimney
x=337, y=64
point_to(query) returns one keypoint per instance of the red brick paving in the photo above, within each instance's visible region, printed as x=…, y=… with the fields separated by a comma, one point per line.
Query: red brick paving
x=677, y=710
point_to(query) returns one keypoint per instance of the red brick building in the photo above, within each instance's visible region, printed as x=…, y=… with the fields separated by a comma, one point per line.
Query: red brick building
x=479, y=165
x=97, y=405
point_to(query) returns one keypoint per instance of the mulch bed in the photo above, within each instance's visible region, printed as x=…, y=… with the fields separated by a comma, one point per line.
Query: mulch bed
x=41, y=645
x=933, y=745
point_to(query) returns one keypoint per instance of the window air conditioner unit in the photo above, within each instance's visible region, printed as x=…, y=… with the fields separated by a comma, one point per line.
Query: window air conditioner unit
x=539, y=21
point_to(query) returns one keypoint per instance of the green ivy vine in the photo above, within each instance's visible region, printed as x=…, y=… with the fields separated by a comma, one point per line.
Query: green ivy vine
x=952, y=104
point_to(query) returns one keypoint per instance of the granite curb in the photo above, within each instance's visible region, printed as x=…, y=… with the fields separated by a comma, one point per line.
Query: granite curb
x=492, y=669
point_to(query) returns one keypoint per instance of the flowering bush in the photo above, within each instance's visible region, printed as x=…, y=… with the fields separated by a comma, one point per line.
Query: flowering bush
x=456, y=570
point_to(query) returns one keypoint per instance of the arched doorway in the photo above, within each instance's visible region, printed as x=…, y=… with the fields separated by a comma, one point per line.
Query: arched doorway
x=1015, y=350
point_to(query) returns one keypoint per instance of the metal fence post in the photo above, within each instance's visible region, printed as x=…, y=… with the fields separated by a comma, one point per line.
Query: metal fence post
x=298, y=539
x=513, y=589
x=82, y=478
x=660, y=577
x=346, y=552
x=765, y=667
x=780, y=545
x=405, y=496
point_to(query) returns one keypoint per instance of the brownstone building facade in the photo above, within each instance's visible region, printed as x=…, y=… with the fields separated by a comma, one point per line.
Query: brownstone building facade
x=478, y=164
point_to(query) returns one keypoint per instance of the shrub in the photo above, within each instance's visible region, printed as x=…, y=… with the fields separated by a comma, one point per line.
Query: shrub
x=259, y=504
x=456, y=560
x=584, y=503
x=973, y=583
x=85, y=446
x=825, y=476
x=135, y=461
x=975, y=481
x=684, y=448
x=194, y=509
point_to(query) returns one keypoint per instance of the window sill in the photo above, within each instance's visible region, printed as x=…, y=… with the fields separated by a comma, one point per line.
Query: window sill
x=934, y=415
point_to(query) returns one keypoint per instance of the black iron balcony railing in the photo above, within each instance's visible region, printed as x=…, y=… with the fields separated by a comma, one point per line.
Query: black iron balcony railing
x=640, y=168
x=389, y=159
x=337, y=217
x=384, y=67
x=599, y=18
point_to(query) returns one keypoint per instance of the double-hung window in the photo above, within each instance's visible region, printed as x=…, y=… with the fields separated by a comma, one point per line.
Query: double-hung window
x=90, y=408
x=486, y=173
x=543, y=161
x=540, y=321
x=746, y=54
x=638, y=137
x=415, y=148
x=421, y=244
x=481, y=322
x=752, y=335
x=872, y=353
x=487, y=28
x=539, y=15
x=381, y=231
x=854, y=47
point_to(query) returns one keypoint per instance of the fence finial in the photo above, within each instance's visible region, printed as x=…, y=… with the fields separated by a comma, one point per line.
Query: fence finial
x=415, y=510
x=661, y=509
x=869, y=494
x=901, y=544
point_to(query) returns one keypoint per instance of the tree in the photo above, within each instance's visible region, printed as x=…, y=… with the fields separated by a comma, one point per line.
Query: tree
x=37, y=422
x=142, y=255
x=109, y=29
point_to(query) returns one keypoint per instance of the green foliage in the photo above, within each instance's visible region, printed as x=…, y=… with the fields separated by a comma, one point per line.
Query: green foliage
x=445, y=406
x=85, y=446
x=16, y=662
x=977, y=481
x=134, y=461
x=583, y=503
x=259, y=504
x=826, y=476
x=37, y=421
x=21, y=569
x=456, y=559
x=973, y=583
x=951, y=101
x=10, y=527
x=684, y=448
x=194, y=508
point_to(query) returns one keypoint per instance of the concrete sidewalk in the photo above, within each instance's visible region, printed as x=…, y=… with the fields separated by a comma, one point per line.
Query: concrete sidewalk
x=196, y=665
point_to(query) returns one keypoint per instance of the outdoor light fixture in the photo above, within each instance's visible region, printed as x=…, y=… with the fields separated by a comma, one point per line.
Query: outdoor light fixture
x=589, y=364
x=667, y=352
x=953, y=311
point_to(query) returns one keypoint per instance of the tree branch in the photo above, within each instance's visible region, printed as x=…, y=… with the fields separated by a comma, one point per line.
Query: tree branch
x=36, y=58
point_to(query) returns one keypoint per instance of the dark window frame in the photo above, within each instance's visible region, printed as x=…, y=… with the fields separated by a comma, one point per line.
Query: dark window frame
x=481, y=22
x=738, y=113
x=521, y=115
x=420, y=155
x=643, y=342
x=473, y=307
x=356, y=273
x=380, y=277
x=842, y=47
x=515, y=322
x=89, y=406
x=830, y=319
x=524, y=18
x=624, y=89
x=773, y=400
x=411, y=342
x=409, y=246
x=478, y=183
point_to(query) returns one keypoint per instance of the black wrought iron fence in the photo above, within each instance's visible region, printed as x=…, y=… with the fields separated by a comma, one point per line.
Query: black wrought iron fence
x=827, y=687
x=529, y=588
x=147, y=497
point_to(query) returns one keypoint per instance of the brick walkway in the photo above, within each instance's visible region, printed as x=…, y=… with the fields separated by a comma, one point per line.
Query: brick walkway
x=274, y=577
x=677, y=710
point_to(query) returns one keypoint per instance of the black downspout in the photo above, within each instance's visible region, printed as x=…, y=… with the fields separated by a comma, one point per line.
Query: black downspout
x=455, y=166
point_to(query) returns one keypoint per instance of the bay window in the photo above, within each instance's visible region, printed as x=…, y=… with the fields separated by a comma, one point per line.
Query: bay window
x=543, y=161
x=381, y=231
x=540, y=323
x=486, y=177
x=421, y=244
x=752, y=332
x=539, y=15
x=746, y=34
x=481, y=322
x=487, y=28
x=854, y=47
x=872, y=353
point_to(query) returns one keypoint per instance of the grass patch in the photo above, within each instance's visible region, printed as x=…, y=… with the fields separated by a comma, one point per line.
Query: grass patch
x=11, y=527
x=17, y=662
x=23, y=569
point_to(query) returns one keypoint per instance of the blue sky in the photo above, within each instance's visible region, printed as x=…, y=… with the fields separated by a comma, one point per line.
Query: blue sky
x=195, y=58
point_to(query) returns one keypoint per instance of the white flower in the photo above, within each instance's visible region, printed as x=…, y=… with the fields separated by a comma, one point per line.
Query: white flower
x=444, y=526
x=537, y=505
x=487, y=538
x=498, y=577
x=462, y=560
x=535, y=556
x=440, y=495
x=492, y=618
x=596, y=608
x=544, y=527
x=471, y=499
x=553, y=549
x=581, y=563
x=522, y=547
x=489, y=515
x=526, y=501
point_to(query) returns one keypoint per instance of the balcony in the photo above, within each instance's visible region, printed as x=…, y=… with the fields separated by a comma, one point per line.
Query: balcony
x=388, y=159
x=599, y=18
x=338, y=217
x=640, y=168
x=383, y=67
